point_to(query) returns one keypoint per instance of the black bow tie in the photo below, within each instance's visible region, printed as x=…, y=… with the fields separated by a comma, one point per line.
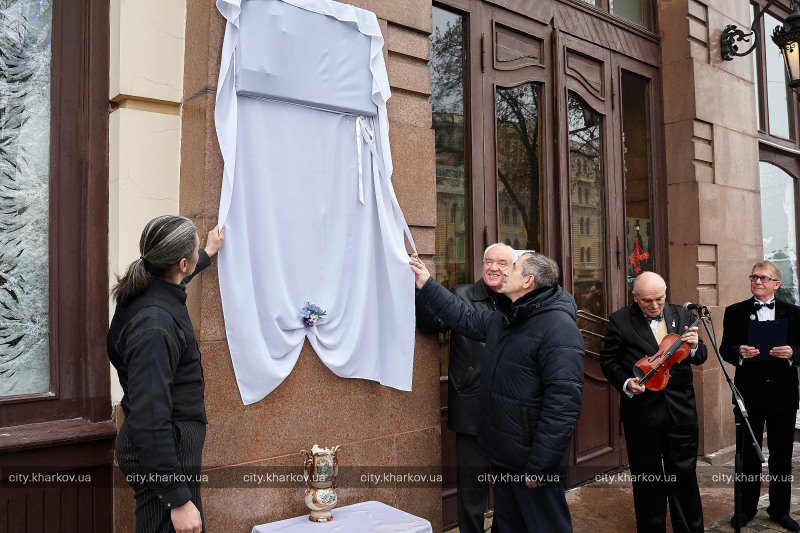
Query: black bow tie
x=659, y=318
x=759, y=305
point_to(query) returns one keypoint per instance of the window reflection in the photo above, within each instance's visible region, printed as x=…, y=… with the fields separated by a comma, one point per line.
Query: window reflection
x=632, y=10
x=778, y=223
x=25, y=42
x=637, y=174
x=588, y=202
x=447, y=66
x=448, y=70
x=778, y=95
x=756, y=62
x=518, y=164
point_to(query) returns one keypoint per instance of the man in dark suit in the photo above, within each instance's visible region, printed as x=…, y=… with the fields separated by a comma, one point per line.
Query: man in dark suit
x=660, y=426
x=769, y=389
x=463, y=391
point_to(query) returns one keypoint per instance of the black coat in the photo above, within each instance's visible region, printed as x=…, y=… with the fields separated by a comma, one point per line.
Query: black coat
x=628, y=339
x=466, y=356
x=772, y=382
x=152, y=346
x=531, y=379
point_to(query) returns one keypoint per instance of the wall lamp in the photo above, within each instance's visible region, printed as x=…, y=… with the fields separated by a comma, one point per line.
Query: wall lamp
x=786, y=37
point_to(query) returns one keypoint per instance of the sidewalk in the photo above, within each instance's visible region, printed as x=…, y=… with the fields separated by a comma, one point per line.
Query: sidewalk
x=607, y=506
x=610, y=509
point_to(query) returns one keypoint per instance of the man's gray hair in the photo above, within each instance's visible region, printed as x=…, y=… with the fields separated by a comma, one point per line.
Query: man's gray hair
x=499, y=244
x=543, y=269
x=776, y=271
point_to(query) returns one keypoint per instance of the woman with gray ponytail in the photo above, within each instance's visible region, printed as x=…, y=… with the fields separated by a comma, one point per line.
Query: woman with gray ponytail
x=151, y=344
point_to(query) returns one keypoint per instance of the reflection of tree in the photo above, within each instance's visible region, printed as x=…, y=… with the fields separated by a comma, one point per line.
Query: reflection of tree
x=447, y=101
x=584, y=131
x=447, y=69
x=586, y=182
x=518, y=154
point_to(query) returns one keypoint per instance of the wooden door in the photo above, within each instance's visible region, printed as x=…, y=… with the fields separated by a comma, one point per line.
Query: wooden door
x=550, y=169
x=589, y=194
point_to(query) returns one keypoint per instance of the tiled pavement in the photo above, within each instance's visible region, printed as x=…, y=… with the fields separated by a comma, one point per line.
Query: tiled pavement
x=607, y=508
x=607, y=505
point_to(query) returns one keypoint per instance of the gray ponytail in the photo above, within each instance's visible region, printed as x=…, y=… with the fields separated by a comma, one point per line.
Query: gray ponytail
x=165, y=241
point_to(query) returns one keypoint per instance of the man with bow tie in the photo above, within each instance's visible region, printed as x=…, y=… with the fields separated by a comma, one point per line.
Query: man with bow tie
x=769, y=389
x=661, y=430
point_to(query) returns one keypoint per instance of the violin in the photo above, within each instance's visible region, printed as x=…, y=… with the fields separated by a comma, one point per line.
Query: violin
x=653, y=370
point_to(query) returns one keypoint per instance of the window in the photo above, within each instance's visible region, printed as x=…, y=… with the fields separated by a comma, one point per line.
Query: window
x=775, y=103
x=779, y=226
x=636, y=11
x=448, y=71
x=519, y=156
x=778, y=94
x=25, y=37
x=638, y=173
x=54, y=182
x=586, y=170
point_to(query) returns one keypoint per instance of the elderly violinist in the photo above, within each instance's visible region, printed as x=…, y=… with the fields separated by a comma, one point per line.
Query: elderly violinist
x=661, y=430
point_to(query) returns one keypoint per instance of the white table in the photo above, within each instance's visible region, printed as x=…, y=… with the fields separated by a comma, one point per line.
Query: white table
x=364, y=517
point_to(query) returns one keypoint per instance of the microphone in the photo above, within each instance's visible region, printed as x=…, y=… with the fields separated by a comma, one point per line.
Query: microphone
x=694, y=307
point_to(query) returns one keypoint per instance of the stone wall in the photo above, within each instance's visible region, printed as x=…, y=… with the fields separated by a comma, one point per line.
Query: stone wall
x=711, y=150
x=376, y=425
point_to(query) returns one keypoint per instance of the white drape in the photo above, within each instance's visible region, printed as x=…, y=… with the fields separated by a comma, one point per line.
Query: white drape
x=307, y=202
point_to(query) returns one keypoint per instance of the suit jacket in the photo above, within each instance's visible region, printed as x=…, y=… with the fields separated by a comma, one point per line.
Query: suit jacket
x=768, y=384
x=628, y=339
x=466, y=356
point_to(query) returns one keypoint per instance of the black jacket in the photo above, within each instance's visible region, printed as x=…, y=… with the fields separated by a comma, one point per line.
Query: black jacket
x=151, y=344
x=466, y=356
x=773, y=384
x=628, y=339
x=531, y=379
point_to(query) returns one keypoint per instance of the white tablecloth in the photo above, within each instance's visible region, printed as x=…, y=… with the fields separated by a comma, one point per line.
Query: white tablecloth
x=364, y=517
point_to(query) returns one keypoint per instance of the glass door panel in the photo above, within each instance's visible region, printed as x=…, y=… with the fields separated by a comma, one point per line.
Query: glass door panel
x=637, y=175
x=448, y=68
x=778, y=223
x=518, y=131
x=587, y=199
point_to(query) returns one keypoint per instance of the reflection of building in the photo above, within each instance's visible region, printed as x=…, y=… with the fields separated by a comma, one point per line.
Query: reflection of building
x=510, y=227
x=451, y=240
x=451, y=221
x=587, y=232
x=518, y=167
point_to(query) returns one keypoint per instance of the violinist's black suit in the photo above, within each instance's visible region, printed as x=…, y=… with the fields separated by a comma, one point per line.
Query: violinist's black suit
x=770, y=392
x=661, y=430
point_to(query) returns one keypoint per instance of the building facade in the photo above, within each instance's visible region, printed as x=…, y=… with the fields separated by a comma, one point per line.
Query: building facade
x=608, y=134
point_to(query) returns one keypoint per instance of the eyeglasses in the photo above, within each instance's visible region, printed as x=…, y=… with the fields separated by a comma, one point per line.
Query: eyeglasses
x=762, y=279
x=500, y=264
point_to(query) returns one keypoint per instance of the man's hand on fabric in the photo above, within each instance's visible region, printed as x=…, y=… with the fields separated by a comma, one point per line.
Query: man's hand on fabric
x=420, y=271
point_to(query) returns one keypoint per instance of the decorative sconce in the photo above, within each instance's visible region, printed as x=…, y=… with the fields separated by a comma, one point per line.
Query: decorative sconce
x=786, y=37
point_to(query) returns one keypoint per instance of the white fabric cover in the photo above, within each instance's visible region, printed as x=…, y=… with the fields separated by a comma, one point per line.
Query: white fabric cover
x=301, y=95
x=364, y=517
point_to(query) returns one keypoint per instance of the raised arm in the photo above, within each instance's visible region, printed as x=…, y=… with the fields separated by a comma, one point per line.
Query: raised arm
x=214, y=241
x=451, y=311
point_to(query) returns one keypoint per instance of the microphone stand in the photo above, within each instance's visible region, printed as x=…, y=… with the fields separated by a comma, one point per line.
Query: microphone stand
x=742, y=422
